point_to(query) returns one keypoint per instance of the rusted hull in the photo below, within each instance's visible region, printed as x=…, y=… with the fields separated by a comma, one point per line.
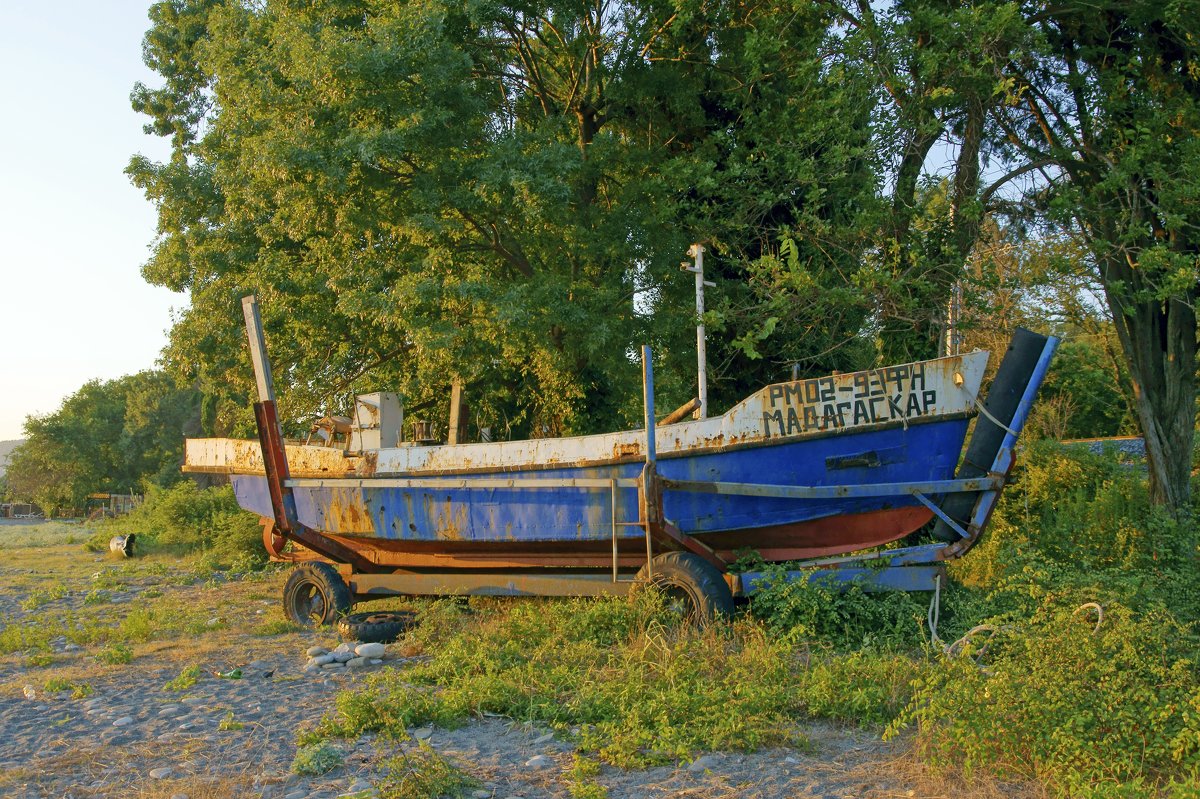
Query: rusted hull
x=572, y=501
x=385, y=511
x=811, y=539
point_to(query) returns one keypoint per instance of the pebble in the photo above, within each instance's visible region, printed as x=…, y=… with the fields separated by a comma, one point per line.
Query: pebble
x=422, y=733
x=123, y=721
x=312, y=652
x=704, y=763
x=321, y=660
x=375, y=661
x=342, y=657
x=543, y=739
x=539, y=761
x=334, y=666
x=371, y=650
x=161, y=773
x=179, y=796
x=356, y=663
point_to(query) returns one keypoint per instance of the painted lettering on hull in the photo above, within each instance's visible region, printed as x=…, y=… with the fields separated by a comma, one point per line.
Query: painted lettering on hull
x=896, y=393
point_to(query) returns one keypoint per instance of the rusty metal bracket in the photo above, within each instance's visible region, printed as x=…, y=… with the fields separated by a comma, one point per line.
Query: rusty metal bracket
x=270, y=439
x=667, y=531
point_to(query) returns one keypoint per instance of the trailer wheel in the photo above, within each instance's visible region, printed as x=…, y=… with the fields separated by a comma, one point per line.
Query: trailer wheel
x=380, y=627
x=692, y=587
x=315, y=594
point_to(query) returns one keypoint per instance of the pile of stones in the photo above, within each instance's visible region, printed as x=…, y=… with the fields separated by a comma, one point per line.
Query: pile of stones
x=344, y=656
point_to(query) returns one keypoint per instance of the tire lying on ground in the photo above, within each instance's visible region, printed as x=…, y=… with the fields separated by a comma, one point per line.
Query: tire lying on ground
x=692, y=587
x=380, y=627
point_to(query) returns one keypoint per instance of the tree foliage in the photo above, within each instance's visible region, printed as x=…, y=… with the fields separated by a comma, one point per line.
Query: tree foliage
x=109, y=436
x=1106, y=108
x=501, y=191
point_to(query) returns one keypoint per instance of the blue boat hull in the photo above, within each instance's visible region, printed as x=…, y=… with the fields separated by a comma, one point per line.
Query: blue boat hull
x=397, y=516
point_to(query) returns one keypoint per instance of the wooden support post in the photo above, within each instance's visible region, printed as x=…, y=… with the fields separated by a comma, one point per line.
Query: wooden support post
x=454, y=435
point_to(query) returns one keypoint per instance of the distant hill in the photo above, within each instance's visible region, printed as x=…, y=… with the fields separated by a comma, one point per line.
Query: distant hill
x=5, y=448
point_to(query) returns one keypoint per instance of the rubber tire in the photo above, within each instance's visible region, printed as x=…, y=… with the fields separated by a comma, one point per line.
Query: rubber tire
x=382, y=627
x=315, y=595
x=690, y=579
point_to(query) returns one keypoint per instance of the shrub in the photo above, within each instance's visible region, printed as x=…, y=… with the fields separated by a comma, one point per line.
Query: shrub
x=844, y=617
x=1068, y=704
x=1082, y=510
x=187, y=518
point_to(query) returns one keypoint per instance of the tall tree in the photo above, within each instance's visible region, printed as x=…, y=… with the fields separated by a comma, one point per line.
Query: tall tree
x=423, y=189
x=1106, y=111
x=940, y=67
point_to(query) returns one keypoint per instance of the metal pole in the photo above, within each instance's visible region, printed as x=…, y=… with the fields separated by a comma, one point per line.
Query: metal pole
x=647, y=487
x=648, y=400
x=612, y=496
x=696, y=251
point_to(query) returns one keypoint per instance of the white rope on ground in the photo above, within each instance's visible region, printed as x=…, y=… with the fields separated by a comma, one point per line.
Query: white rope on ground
x=1099, y=614
x=957, y=648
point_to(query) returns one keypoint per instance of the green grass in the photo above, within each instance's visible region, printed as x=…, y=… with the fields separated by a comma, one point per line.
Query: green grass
x=79, y=690
x=43, y=534
x=115, y=654
x=44, y=596
x=640, y=690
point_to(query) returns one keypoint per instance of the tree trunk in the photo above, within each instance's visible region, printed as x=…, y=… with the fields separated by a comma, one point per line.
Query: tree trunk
x=1159, y=341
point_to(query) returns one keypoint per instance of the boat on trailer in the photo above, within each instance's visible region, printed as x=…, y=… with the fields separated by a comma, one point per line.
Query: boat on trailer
x=823, y=472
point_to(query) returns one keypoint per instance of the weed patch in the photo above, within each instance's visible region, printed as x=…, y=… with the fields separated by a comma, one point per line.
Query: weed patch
x=316, y=759
x=423, y=773
x=79, y=690
x=43, y=596
x=642, y=691
x=115, y=654
x=1069, y=704
x=186, y=679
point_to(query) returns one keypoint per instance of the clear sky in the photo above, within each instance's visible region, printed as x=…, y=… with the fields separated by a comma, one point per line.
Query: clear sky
x=73, y=231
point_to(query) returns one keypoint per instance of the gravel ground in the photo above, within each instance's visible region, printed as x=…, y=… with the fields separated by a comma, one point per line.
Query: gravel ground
x=131, y=735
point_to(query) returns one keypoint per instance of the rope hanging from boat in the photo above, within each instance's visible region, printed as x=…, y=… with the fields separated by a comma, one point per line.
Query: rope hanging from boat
x=991, y=418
